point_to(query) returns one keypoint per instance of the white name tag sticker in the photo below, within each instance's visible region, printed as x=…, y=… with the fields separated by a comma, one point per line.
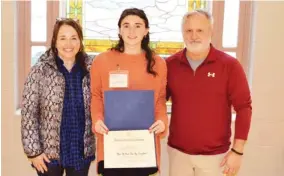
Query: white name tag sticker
x=118, y=79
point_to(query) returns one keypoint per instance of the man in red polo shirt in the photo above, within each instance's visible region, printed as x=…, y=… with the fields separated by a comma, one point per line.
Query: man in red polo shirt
x=203, y=84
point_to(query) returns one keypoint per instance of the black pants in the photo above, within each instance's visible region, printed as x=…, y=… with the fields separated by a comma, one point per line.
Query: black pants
x=55, y=170
x=126, y=171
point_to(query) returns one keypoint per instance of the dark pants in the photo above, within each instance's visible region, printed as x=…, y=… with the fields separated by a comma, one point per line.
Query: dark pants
x=126, y=171
x=55, y=170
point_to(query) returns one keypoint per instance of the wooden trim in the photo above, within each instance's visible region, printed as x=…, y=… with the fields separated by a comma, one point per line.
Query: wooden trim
x=28, y=32
x=52, y=14
x=245, y=33
x=241, y=39
x=49, y=17
x=218, y=16
x=37, y=44
x=21, y=51
x=23, y=34
x=229, y=49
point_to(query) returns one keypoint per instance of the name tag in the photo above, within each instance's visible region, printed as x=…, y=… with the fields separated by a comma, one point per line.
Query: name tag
x=118, y=79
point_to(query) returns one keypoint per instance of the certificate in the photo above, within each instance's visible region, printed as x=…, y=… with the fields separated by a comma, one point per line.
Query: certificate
x=129, y=149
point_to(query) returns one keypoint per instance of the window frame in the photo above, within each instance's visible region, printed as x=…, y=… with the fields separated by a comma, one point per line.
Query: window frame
x=25, y=44
x=242, y=49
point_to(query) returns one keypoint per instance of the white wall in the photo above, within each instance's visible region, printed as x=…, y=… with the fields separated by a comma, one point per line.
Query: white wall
x=264, y=154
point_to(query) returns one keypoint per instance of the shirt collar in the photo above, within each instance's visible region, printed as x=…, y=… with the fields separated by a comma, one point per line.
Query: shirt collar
x=61, y=67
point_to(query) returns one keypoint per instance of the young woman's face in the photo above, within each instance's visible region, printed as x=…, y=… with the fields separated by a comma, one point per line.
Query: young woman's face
x=67, y=43
x=133, y=30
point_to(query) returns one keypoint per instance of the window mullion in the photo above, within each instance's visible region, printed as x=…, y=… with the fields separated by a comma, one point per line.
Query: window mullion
x=218, y=15
x=244, y=33
x=53, y=13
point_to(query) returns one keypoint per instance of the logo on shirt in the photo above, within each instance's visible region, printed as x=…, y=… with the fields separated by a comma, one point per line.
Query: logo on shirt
x=211, y=74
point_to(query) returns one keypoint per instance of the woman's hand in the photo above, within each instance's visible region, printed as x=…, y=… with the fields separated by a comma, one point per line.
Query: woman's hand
x=157, y=127
x=100, y=127
x=39, y=162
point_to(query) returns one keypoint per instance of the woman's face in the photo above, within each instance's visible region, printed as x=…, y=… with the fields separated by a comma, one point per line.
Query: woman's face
x=67, y=43
x=133, y=30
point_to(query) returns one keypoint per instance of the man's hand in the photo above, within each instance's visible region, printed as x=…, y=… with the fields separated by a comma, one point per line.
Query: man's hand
x=231, y=163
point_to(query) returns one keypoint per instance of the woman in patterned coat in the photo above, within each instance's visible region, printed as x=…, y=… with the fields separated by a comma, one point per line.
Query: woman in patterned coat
x=56, y=122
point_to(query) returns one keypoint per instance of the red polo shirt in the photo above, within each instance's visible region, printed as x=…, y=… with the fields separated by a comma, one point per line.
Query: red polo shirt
x=202, y=101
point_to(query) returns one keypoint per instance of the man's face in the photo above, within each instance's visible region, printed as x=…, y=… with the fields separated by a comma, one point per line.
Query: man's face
x=197, y=32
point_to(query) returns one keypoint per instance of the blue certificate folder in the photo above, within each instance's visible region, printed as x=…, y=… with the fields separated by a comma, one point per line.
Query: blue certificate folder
x=128, y=109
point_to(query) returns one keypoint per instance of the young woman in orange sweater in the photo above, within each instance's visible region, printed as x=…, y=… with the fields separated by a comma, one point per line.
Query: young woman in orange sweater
x=145, y=71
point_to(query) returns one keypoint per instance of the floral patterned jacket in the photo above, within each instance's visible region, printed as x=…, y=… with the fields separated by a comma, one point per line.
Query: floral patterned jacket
x=42, y=106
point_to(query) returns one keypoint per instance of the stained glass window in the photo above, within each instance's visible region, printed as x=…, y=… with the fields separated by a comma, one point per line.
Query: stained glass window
x=99, y=21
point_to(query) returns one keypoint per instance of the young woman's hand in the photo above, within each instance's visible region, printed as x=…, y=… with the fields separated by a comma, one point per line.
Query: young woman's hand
x=157, y=127
x=100, y=127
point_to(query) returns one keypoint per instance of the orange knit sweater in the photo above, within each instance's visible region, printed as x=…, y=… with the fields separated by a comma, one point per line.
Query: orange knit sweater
x=138, y=79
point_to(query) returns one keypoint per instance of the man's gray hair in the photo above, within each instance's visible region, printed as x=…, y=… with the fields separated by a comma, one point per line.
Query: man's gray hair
x=200, y=12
